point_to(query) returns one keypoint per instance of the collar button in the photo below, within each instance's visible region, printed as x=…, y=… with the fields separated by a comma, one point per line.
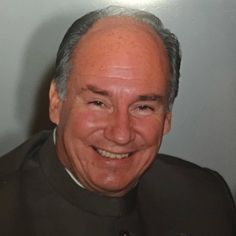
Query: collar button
x=125, y=233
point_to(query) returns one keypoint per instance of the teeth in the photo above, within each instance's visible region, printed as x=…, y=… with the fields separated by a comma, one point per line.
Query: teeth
x=112, y=155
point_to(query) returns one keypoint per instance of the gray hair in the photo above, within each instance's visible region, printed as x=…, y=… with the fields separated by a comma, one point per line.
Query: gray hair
x=83, y=24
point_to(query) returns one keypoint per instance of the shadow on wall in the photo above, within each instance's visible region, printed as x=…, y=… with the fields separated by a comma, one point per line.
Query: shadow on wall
x=37, y=73
x=31, y=105
x=40, y=118
x=234, y=196
x=31, y=112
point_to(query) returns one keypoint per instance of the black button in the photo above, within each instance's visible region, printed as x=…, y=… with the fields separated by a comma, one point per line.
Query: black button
x=125, y=233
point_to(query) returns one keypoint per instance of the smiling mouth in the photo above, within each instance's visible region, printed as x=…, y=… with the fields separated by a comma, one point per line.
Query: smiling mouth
x=112, y=155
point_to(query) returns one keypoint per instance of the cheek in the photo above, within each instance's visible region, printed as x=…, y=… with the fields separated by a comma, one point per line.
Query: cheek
x=82, y=123
x=151, y=130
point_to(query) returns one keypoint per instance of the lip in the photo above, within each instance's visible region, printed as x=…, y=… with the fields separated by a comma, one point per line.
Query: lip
x=112, y=155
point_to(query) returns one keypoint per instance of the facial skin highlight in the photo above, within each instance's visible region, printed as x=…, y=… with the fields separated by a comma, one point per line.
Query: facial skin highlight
x=111, y=123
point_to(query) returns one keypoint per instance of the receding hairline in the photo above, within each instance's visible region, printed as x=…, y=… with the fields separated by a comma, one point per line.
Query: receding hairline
x=120, y=20
x=113, y=24
x=108, y=23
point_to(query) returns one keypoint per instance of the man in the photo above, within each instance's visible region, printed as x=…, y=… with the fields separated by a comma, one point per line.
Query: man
x=116, y=79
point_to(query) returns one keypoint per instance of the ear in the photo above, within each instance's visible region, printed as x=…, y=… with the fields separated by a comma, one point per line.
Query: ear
x=54, y=104
x=167, y=122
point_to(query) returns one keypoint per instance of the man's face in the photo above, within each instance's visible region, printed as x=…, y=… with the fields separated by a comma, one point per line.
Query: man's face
x=113, y=117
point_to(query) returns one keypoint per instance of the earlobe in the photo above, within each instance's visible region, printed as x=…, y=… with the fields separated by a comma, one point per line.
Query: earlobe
x=54, y=104
x=167, y=124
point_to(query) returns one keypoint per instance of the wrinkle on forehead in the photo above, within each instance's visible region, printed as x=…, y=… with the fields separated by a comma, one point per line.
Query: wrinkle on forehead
x=120, y=72
x=116, y=73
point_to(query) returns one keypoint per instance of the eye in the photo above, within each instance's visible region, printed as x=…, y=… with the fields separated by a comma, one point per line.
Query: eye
x=96, y=103
x=145, y=108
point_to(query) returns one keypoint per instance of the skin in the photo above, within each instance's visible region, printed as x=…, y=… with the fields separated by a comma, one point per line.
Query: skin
x=116, y=101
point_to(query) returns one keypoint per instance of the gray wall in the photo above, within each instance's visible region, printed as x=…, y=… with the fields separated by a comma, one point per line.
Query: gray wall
x=204, y=127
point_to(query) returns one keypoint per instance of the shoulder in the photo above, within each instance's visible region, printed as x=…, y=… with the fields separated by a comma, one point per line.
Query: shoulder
x=11, y=172
x=12, y=161
x=185, y=176
x=173, y=168
x=186, y=194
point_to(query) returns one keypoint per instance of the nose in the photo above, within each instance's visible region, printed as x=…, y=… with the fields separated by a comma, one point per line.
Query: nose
x=119, y=128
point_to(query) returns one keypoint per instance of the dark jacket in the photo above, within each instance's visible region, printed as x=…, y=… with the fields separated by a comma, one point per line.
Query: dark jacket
x=173, y=198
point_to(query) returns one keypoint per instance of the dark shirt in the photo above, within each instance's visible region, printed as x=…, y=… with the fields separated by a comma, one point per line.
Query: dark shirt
x=174, y=197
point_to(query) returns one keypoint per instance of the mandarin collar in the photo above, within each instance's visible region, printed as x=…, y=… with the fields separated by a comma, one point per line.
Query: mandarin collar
x=86, y=200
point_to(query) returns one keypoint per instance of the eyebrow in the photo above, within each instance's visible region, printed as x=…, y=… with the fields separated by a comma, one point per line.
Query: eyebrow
x=95, y=89
x=150, y=97
x=144, y=97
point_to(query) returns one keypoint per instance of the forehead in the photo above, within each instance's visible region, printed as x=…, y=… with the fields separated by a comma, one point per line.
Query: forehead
x=120, y=46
